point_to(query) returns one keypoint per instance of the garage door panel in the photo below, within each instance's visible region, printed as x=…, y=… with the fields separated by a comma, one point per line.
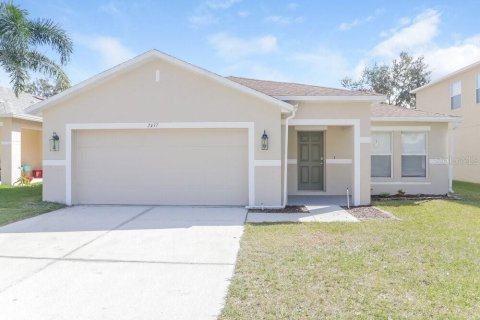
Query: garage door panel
x=163, y=166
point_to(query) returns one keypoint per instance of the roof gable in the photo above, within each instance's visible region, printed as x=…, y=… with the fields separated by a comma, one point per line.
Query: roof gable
x=140, y=60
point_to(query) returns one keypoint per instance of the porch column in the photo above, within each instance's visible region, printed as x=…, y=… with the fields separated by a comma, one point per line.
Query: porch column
x=451, y=150
x=11, y=160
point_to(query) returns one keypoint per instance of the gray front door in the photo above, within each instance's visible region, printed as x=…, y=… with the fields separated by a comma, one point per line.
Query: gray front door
x=311, y=161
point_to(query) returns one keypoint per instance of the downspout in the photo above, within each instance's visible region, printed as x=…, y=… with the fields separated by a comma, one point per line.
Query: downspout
x=285, y=160
x=450, y=158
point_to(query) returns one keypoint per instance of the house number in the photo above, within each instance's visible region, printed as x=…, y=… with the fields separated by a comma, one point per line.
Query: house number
x=152, y=125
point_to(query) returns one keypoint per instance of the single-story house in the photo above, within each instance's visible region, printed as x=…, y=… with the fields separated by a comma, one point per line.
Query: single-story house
x=458, y=94
x=158, y=130
x=20, y=135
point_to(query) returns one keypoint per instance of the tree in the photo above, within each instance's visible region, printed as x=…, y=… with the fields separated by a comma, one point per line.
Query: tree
x=394, y=81
x=20, y=41
x=43, y=88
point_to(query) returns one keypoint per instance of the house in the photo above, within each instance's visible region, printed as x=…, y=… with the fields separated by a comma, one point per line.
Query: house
x=458, y=94
x=158, y=130
x=20, y=135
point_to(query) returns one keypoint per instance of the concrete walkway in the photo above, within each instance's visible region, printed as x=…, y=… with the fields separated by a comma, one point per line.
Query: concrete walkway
x=119, y=262
x=318, y=213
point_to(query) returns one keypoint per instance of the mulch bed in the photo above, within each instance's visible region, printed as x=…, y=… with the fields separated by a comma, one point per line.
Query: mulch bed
x=415, y=197
x=368, y=212
x=287, y=209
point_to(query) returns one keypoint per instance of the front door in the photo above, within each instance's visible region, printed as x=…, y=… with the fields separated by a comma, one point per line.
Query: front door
x=311, y=161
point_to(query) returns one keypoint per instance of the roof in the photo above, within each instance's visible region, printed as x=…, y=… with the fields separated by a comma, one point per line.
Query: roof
x=12, y=106
x=143, y=58
x=287, y=90
x=450, y=75
x=387, y=112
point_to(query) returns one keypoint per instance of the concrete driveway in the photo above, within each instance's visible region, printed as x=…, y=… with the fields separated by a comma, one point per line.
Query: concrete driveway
x=119, y=262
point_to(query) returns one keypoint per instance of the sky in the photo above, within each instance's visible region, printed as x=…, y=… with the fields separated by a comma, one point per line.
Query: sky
x=315, y=42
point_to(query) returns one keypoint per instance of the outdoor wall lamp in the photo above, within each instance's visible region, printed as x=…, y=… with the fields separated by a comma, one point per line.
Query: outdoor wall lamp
x=264, y=140
x=55, y=142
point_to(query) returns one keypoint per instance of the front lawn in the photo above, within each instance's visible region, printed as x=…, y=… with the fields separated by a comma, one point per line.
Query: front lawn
x=17, y=203
x=424, y=265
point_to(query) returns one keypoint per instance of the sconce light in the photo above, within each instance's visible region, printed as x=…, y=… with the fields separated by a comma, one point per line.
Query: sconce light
x=55, y=142
x=264, y=140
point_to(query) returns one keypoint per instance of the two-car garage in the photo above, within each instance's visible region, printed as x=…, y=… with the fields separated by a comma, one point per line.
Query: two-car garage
x=160, y=166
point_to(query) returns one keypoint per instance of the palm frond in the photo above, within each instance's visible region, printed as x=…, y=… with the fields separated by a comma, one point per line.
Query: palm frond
x=47, y=32
x=38, y=62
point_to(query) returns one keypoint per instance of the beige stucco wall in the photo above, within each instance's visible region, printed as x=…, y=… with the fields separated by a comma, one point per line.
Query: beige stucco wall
x=32, y=148
x=20, y=146
x=179, y=96
x=436, y=98
x=339, y=144
x=436, y=181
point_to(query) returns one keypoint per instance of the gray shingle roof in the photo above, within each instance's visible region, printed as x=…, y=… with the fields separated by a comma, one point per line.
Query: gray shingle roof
x=278, y=89
x=382, y=110
x=9, y=103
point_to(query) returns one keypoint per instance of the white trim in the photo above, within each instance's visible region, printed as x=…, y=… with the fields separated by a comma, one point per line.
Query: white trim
x=144, y=58
x=5, y=143
x=161, y=125
x=418, y=119
x=331, y=98
x=54, y=163
x=401, y=182
x=356, y=146
x=450, y=75
x=311, y=128
x=365, y=139
x=438, y=161
x=339, y=161
x=28, y=117
x=292, y=161
x=268, y=163
x=402, y=128
x=157, y=75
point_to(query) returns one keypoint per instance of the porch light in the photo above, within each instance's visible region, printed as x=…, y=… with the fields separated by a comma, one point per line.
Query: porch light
x=264, y=140
x=55, y=142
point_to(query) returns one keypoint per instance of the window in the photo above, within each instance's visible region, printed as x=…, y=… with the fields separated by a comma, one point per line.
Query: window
x=414, y=154
x=478, y=88
x=456, y=95
x=381, y=154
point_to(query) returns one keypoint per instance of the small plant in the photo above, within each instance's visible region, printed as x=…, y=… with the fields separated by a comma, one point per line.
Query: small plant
x=384, y=194
x=401, y=192
x=23, y=181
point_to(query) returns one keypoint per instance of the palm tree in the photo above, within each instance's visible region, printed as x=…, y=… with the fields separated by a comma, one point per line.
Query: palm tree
x=20, y=41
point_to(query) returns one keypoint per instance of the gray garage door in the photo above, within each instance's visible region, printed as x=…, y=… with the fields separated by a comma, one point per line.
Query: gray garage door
x=160, y=166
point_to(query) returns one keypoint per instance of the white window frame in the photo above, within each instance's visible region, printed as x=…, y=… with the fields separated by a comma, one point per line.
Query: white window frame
x=391, y=155
x=451, y=94
x=411, y=154
x=477, y=87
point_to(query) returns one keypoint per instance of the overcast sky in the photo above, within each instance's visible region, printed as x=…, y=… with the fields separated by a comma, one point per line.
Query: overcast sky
x=317, y=42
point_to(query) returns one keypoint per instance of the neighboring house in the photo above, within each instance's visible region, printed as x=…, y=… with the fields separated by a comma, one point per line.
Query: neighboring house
x=20, y=135
x=458, y=94
x=157, y=130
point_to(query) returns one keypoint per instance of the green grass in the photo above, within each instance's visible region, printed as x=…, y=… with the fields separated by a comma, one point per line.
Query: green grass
x=424, y=265
x=17, y=203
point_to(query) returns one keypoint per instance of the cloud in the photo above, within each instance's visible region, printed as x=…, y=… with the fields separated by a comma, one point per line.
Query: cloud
x=345, y=26
x=205, y=13
x=420, y=32
x=243, y=13
x=110, y=49
x=232, y=48
x=324, y=64
x=292, y=6
x=204, y=19
x=111, y=9
x=221, y=4
x=282, y=20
